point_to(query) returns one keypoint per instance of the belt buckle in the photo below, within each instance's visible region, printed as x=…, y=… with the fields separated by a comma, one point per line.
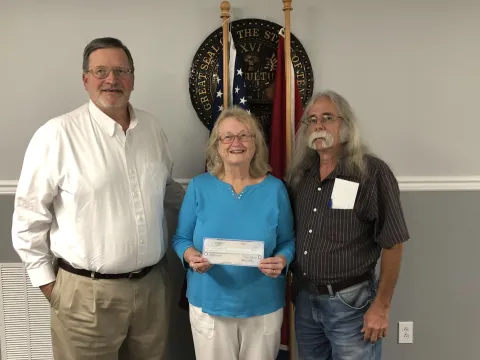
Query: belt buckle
x=319, y=289
x=322, y=289
x=133, y=273
x=314, y=288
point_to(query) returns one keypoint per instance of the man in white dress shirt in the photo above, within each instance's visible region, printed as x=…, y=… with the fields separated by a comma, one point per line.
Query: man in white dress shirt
x=92, y=193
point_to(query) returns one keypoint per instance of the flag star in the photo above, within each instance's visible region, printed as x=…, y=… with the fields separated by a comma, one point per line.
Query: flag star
x=237, y=89
x=248, y=111
x=220, y=108
x=242, y=100
x=219, y=94
x=239, y=72
x=218, y=80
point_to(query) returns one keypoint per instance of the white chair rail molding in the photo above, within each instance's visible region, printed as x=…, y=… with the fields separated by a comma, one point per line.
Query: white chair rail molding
x=406, y=183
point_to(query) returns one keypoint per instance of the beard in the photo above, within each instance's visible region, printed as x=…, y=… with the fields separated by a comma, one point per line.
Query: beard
x=325, y=137
x=116, y=104
x=106, y=102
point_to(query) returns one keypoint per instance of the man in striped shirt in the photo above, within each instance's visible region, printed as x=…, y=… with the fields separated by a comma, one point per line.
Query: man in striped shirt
x=347, y=214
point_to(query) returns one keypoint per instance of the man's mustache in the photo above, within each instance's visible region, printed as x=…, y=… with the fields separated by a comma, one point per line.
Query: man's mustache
x=325, y=135
x=112, y=89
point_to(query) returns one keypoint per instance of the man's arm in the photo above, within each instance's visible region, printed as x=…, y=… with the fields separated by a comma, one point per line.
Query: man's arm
x=32, y=217
x=389, y=271
x=376, y=318
x=174, y=193
x=391, y=233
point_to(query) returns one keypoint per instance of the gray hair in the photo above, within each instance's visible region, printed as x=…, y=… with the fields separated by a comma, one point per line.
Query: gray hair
x=105, y=43
x=259, y=165
x=354, y=149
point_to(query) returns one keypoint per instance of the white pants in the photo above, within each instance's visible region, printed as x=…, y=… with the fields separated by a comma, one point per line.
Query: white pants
x=224, y=338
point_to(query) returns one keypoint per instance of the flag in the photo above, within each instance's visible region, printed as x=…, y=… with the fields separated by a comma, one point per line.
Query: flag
x=278, y=146
x=278, y=138
x=237, y=94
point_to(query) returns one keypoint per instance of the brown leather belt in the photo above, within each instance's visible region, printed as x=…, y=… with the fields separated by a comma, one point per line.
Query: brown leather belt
x=306, y=284
x=95, y=275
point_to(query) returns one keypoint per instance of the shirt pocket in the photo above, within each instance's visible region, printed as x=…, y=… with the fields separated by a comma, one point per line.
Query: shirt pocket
x=156, y=175
x=340, y=225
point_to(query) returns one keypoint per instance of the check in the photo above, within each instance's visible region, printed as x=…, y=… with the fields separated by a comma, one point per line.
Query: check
x=233, y=252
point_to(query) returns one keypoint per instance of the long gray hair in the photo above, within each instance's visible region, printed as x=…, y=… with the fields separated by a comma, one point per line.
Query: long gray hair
x=353, y=152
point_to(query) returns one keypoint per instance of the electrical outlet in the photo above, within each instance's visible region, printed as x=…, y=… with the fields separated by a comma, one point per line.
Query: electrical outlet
x=405, y=332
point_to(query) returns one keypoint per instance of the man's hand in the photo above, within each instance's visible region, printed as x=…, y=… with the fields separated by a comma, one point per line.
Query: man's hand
x=47, y=290
x=273, y=266
x=375, y=323
x=196, y=261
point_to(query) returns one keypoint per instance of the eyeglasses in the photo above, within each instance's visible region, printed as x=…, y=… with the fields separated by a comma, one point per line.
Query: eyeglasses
x=324, y=119
x=230, y=138
x=102, y=72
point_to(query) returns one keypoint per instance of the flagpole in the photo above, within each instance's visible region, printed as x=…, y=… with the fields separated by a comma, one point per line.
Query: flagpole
x=287, y=8
x=225, y=7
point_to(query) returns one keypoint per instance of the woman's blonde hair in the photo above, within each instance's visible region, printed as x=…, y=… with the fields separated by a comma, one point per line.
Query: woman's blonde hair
x=259, y=164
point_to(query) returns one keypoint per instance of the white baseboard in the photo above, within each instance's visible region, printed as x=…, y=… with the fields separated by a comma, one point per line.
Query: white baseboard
x=406, y=183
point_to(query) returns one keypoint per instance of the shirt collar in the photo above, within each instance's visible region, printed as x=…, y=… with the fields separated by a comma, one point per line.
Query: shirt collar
x=106, y=122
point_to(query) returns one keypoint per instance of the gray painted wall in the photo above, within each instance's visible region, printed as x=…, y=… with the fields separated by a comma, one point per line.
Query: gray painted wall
x=438, y=288
x=400, y=64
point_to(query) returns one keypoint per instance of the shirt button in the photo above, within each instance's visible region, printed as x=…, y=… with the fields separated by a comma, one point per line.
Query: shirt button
x=305, y=252
x=310, y=231
x=319, y=189
x=304, y=274
x=315, y=210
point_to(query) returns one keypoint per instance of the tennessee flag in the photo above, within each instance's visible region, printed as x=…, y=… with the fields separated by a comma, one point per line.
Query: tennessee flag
x=278, y=146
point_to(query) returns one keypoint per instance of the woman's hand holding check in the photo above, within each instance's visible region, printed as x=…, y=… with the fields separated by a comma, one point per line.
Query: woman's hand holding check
x=273, y=266
x=196, y=261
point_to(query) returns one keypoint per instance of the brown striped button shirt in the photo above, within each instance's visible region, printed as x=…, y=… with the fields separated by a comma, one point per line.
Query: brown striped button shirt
x=334, y=244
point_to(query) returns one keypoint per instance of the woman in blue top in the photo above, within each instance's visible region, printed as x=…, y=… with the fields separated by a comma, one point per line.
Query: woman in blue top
x=236, y=312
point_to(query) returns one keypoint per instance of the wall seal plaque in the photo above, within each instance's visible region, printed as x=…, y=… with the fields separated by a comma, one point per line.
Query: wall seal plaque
x=257, y=41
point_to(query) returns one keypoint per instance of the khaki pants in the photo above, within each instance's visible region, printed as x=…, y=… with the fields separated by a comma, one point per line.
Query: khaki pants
x=222, y=338
x=92, y=318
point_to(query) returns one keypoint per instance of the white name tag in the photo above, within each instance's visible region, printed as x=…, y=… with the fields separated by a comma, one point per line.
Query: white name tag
x=344, y=194
x=233, y=252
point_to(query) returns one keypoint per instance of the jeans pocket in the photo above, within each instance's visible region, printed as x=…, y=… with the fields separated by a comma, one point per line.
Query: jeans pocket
x=272, y=322
x=356, y=297
x=202, y=323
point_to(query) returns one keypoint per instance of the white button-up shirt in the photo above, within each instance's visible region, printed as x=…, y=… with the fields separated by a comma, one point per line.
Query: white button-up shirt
x=92, y=194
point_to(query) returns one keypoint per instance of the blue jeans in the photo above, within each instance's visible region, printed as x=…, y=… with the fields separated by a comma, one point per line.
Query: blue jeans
x=328, y=327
